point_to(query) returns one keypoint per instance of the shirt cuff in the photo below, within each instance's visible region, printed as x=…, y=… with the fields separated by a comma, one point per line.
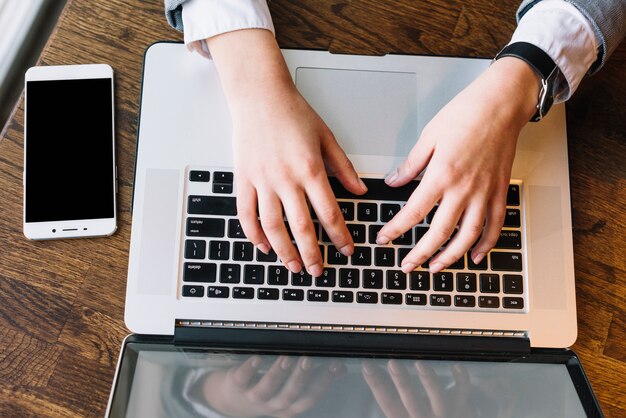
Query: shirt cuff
x=204, y=19
x=562, y=32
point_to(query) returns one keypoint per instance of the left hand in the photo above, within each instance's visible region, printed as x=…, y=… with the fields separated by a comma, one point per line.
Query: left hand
x=469, y=147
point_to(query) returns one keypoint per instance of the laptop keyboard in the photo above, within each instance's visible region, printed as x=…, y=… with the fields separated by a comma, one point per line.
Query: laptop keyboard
x=218, y=261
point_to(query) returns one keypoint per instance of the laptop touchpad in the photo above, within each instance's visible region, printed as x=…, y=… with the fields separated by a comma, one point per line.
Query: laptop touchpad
x=370, y=112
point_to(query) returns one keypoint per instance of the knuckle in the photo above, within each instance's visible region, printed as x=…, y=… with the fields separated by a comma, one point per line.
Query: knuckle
x=300, y=224
x=271, y=223
x=330, y=215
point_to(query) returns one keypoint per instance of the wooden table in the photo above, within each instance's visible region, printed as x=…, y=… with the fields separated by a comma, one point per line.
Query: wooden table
x=62, y=302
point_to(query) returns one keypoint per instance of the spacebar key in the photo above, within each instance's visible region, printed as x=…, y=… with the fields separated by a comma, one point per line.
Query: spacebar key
x=212, y=205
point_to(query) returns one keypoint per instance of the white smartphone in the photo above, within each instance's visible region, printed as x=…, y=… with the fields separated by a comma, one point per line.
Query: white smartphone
x=70, y=183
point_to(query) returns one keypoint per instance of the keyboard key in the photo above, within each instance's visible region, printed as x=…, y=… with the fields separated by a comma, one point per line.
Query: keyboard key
x=195, y=249
x=230, y=273
x=193, y=291
x=347, y=210
x=202, y=176
x=415, y=299
x=420, y=231
x=396, y=280
x=480, y=266
x=243, y=293
x=388, y=211
x=402, y=253
x=490, y=283
x=440, y=300
x=431, y=214
x=271, y=257
x=464, y=301
x=384, y=257
x=335, y=257
x=377, y=189
x=219, y=250
x=358, y=233
x=373, y=233
x=223, y=177
x=488, y=302
x=362, y=256
x=343, y=296
x=223, y=189
x=267, y=293
x=199, y=272
x=512, y=196
x=509, y=240
x=348, y=278
x=389, y=298
x=277, y=276
x=212, y=205
x=327, y=279
x=372, y=279
x=465, y=282
x=243, y=251
x=235, y=230
x=205, y=227
x=253, y=274
x=513, y=283
x=366, y=297
x=218, y=292
x=506, y=261
x=512, y=303
x=293, y=294
x=301, y=279
x=367, y=212
x=512, y=218
x=404, y=239
x=419, y=280
x=442, y=282
x=316, y=295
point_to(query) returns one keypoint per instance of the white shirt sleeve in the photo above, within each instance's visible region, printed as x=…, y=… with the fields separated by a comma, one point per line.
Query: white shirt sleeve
x=203, y=19
x=562, y=32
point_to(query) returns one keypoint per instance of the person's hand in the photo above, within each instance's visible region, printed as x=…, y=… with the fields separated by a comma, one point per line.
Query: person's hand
x=288, y=388
x=469, y=147
x=400, y=396
x=282, y=151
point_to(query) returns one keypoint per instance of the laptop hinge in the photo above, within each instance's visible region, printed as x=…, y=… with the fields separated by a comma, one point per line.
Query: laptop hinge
x=338, y=338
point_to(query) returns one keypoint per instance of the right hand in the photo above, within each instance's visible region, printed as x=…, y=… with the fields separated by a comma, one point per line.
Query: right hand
x=283, y=153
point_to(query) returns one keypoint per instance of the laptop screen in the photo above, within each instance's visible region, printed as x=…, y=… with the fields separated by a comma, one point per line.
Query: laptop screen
x=163, y=381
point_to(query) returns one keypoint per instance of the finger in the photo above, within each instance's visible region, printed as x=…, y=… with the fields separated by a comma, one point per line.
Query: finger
x=463, y=383
x=381, y=386
x=242, y=375
x=406, y=389
x=301, y=226
x=319, y=385
x=415, y=163
x=420, y=203
x=328, y=213
x=297, y=384
x=247, y=214
x=272, y=381
x=271, y=214
x=470, y=228
x=338, y=163
x=434, y=390
x=496, y=212
x=440, y=230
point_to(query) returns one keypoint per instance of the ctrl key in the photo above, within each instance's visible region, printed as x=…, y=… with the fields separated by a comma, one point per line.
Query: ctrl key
x=193, y=291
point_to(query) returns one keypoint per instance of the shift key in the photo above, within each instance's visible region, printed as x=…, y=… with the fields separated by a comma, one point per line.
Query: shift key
x=212, y=205
x=506, y=261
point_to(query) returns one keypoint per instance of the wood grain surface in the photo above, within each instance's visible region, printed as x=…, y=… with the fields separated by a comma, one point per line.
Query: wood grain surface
x=62, y=302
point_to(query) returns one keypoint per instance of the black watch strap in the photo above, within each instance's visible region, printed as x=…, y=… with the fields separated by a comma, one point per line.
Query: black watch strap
x=543, y=65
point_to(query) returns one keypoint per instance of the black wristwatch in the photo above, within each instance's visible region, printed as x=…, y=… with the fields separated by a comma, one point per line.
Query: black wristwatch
x=543, y=65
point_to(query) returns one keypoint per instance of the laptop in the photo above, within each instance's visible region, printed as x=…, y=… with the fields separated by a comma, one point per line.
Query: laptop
x=220, y=330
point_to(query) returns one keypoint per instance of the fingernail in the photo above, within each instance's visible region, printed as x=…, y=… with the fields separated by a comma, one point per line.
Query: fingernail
x=382, y=240
x=363, y=186
x=435, y=267
x=478, y=258
x=286, y=363
x=294, y=266
x=368, y=368
x=306, y=363
x=391, y=177
x=393, y=367
x=315, y=270
x=346, y=250
x=256, y=362
x=264, y=248
x=408, y=267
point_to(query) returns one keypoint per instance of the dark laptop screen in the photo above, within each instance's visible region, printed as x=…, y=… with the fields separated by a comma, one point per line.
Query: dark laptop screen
x=163, y=381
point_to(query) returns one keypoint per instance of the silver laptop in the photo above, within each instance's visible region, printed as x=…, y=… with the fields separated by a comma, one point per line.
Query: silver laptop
x=191, y=269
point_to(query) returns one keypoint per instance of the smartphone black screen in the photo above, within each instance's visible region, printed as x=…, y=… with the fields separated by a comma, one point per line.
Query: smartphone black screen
x=69, y=150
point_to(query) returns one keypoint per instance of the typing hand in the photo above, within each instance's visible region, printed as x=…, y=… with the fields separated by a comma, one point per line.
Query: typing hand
x=288, y=388
x=468, y=150
x=400, y=396
x=282, y=151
